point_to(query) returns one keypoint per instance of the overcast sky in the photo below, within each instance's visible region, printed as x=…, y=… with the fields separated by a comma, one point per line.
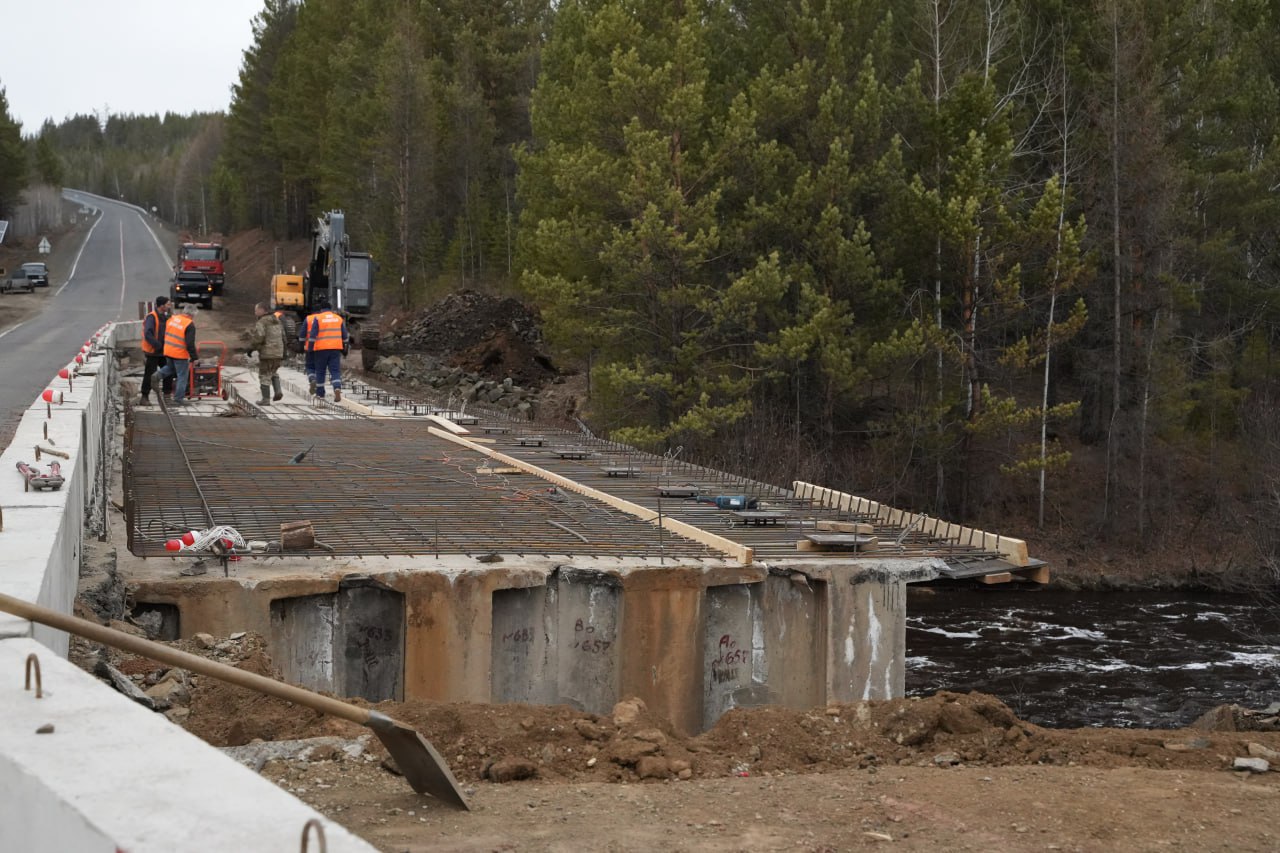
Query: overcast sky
x=60, y=58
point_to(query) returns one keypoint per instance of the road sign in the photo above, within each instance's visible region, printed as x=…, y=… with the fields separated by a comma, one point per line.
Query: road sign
x=44, y=246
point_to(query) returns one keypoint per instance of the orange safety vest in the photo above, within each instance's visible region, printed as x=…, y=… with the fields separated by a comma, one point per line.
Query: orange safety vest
x=146, y=346
x=175, y=337
x=329, y=333
x=306, y=328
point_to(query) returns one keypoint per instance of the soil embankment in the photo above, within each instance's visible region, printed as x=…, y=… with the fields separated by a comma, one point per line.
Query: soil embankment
x=950, y=771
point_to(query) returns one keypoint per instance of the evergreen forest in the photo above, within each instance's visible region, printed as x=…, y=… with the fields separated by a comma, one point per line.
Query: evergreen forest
x=988, y=259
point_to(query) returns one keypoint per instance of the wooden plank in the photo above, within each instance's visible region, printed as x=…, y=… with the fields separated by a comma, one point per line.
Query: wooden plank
x=445, y=423
x=845, y=527
x=735, y=550
x=998, y=577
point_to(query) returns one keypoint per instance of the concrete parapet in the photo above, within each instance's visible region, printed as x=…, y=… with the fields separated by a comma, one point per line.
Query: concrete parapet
x=113, y=776
x=42, y=536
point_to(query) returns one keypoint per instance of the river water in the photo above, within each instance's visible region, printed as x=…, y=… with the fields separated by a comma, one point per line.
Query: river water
x=1150, y=659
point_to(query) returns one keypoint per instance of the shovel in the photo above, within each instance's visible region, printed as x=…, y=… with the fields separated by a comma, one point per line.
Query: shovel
x=415, y=757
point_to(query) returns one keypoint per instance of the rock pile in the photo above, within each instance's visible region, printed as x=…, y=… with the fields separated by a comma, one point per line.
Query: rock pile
x=455, y=383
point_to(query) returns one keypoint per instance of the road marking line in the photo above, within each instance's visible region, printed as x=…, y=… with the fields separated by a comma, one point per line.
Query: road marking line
x=11, y=328
x=76, y=262
x=164, y=256
x=124, y=278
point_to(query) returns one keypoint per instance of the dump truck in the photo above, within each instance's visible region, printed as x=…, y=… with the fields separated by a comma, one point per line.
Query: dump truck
x=208, y=258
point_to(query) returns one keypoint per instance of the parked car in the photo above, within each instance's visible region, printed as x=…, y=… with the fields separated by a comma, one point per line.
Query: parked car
x=191, y=287
x=17, y=280
x=38, y=272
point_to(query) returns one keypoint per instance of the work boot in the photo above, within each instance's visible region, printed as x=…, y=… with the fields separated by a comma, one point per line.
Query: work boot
x=337, y=395
x=144, y=400
x=311, y=386
x=275, y=385
x=266, y=395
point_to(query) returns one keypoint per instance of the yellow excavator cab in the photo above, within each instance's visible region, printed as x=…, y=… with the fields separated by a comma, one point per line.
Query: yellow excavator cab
x=286, y=291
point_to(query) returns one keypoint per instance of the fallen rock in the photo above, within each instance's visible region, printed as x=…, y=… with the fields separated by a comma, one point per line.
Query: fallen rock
x=171, y=690
x=1257, y=750
x=651, y=736
x=590, y=730
x=203, y=640
x=123, y=683
x=1219, y=719
x=946, y=759
x=511, y=770
x=256, y=755
x=628, y=752
x=1253, y=765
x=628, y=711
x=652, y=767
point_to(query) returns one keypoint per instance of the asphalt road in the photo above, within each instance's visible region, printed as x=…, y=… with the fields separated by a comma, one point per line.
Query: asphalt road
x=123, y=261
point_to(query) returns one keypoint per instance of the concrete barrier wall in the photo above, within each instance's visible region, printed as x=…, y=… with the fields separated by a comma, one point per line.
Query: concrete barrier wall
x=111, y=775
x=115, y=776
x=42, y=536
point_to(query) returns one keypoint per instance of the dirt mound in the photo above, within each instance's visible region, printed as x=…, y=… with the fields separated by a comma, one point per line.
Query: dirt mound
x=504, y=354
x=561, y=744
x=463, y=321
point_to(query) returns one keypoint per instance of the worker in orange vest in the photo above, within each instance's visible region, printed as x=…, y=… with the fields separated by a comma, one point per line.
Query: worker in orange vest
x=153, y=347
x=305, y=341
x=179, y=349
x=328, y=338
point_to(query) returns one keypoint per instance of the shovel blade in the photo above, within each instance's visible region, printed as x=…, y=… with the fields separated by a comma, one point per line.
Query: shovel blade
x=421, y=765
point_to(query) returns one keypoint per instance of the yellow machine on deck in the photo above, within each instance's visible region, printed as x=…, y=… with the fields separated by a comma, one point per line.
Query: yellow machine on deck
x=286, y=292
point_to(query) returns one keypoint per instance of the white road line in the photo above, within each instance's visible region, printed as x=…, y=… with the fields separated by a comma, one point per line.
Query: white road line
x=164, y=256
x=11, y=328
x=124, y=278
x=76, y=262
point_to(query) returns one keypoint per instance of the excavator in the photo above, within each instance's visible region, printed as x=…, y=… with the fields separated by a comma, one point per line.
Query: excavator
x=336, y=278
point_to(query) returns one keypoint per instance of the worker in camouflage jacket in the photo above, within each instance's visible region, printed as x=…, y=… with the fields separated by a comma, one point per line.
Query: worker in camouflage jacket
x=267, y=338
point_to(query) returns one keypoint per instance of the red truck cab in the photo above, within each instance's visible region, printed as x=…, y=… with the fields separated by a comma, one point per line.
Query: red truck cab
x=207, y=258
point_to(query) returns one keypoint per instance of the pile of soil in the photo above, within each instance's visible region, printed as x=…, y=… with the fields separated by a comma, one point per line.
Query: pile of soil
x=488, y=335
x=562, y=744
x=460, y=321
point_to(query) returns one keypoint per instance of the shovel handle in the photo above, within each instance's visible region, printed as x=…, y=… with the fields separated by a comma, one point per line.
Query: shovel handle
x=194, y=663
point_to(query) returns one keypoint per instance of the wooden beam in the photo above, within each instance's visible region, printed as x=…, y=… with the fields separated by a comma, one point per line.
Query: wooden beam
x=1013, y=550
x=735, y=550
